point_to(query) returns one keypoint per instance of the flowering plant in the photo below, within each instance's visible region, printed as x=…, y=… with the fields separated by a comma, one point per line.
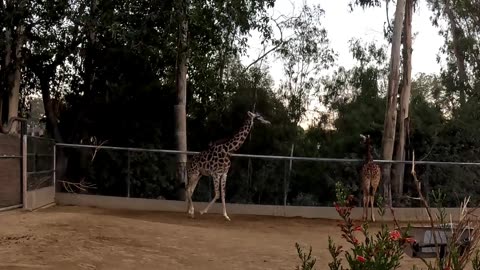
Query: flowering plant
x=382, y=250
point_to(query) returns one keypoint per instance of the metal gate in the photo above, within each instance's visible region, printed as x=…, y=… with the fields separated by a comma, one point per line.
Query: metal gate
x=10, y=171
x=39, y=179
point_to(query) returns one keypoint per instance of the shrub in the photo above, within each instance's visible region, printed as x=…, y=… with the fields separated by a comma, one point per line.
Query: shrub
x=383, y=250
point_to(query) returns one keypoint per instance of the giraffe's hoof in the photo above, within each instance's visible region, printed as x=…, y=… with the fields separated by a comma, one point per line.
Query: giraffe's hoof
x=226, y=217
x=191, y=213
x=202, y=212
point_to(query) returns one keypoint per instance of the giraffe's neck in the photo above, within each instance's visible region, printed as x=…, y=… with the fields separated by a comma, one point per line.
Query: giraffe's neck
x=369, y=156
x=237, y=141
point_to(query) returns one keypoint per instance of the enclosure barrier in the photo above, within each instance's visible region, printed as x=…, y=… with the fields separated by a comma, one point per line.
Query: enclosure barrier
x=416, y=215
x=39, y=172
x=128, y=198
x=10, y=172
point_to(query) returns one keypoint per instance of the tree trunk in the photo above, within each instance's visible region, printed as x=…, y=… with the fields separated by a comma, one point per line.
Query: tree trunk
x=14, y=96
x=388, y=139
x=457, y=36
x=181, y=85
x=6, y=77
x=52, y=125
x=404, y=100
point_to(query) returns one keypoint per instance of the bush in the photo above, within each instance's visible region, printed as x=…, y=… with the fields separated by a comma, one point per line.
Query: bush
x=383, y=250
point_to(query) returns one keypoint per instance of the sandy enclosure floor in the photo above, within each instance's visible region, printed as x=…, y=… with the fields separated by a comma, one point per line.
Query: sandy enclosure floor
x=89, y=238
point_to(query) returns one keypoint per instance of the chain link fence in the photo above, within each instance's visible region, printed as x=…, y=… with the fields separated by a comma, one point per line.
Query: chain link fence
x=40, y=165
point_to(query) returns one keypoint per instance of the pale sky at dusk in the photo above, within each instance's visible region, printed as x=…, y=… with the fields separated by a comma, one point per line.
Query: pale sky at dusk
x=342, y=25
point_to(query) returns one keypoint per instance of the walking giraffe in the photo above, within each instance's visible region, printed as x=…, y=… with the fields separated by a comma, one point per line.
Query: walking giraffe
x=215, y=162
x=370, y=176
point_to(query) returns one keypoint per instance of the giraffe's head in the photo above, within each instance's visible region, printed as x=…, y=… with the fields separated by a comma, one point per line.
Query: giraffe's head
x=365, y=139
x=258, y=117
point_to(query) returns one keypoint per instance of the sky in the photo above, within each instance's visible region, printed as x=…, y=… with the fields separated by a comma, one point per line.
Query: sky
x=343, y=25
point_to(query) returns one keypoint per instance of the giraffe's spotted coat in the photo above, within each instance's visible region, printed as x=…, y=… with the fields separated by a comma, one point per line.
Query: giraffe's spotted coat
x=215, y=162
x=371, y=175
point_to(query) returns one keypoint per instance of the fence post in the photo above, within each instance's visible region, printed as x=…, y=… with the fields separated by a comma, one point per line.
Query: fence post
x=55, y=167
x=286, y=183
x=24, y=171
x=128, y=174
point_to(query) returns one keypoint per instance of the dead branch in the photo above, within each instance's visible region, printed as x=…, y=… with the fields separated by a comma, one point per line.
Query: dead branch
x=96, y=150
x=280, y=43
x=425, y=204
x=82, y=186
x=72, y=187
x=457, y=241
x=413, y=198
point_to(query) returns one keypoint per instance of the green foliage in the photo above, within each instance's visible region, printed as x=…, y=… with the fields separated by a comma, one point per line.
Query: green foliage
x=109, y=68
x=476, y=260
x=304, y=55
x=308, y=262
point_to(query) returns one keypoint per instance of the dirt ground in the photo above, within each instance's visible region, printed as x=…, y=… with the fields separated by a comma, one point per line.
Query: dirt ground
x=90, y=238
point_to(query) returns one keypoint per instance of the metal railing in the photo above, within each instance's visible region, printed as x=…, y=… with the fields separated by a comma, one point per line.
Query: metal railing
x=276, y=157
x=259, y=179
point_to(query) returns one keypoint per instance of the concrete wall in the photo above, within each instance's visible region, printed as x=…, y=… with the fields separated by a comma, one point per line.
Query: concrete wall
x=402, y=214
x=10, y=174
x=39, y=198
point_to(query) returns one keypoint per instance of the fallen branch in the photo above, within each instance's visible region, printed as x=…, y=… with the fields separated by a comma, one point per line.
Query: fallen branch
x=82, y=185
x=72, y=187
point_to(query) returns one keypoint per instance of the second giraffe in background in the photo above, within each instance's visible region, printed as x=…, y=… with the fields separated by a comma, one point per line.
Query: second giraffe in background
x=370, y=175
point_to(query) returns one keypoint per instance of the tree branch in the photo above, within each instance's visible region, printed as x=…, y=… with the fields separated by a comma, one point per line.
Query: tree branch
x=280, y=43
x=83, y=185
x=6, y=129
x=425, y=204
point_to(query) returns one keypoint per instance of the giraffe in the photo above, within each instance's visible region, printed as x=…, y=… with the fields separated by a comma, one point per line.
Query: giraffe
x=371, y=175
x=215, y=162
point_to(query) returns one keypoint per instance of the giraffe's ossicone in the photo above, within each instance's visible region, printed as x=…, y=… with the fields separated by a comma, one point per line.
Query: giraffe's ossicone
x=215, y=162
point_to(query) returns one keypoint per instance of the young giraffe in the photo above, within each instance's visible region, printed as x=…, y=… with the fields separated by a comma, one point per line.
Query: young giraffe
x=371, y=175
x=215, y=162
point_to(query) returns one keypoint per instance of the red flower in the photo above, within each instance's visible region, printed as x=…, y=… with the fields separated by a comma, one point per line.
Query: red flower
x=358, y=229
x=394, y=235
x=361, y=259
x=409, y=240
x=355, y=240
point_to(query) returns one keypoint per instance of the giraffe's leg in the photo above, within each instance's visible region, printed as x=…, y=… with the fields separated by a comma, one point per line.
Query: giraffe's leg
x=223, y=184
x=365, y=205
x=192, y=183
x=366, y=193
x=372, y=201
x=216, y=183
